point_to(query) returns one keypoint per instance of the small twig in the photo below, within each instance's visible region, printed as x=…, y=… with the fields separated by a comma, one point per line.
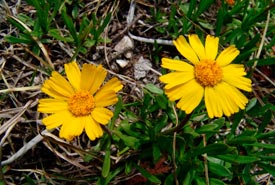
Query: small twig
x=262, y=41
x=25, y=148
x=174, y=148
x=151, y=41
x=205, y=162
x=13, y=89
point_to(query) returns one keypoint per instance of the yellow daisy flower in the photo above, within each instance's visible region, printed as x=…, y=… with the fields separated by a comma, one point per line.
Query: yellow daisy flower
x=79, y=102
x=207, y=76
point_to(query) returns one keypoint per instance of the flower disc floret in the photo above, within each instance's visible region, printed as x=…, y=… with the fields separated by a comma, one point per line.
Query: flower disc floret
x=81, y=103
x=208, y=73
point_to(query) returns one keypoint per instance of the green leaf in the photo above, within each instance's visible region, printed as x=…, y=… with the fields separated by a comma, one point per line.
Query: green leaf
x=251, y=104
x=189, y=177
x=107, y=160
x=147, y=175
x=269, y=134
x=220, y=20
x=214, y=149
x=219, y=170
x=128, y=140
x=238, y=159
x=262, y=145
x=208, y=128
x=15, y=40
x=55, y=33
x=162, y=101
x=154, y=89
x=268, y=167
x=241, y=140
x=69, y=23
x=203, y=6
x=216, y=182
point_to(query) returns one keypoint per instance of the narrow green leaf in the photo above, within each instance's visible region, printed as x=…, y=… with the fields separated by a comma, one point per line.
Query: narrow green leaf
x=214, y=149
x=266, y=135
x=238, y=159
x=55, y=33
x=251, y=104
x=154, y=89
x=268, y=167
x=107, y=160
x=219, y=170
x=69, y=23
x=214, y=181
x=241, y=140
x=128, y=140
x=15, y=40
x=147, y=175
x=262, y=145
x=220, y=20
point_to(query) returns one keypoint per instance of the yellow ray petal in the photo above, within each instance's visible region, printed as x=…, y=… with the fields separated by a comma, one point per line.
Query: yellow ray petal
x=192, y=95
x=114, y=85
x=228, y=104
x=92, y=77
x=105, y=98
x=60, y=84
x=47, y=89
x=197, y=46
x=72, y=128
x=93, y=129
x=175, y=93
x=177, y=65
x=211, y=47
x=235, y=95
x=233, y=75
x=176, y=78
x=228, y=55
x=73, y=74
x=57, y=119
x=49, y=105
x=186, y=50
x=212, y=104
x=102, y=115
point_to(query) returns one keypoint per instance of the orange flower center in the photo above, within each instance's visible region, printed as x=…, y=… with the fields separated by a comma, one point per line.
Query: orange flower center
x=208, y=73
x=81, y=103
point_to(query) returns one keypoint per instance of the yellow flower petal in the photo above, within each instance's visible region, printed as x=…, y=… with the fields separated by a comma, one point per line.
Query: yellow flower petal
x=212, y=103
x=105, y=98
x=72, y=128
x=177, y=65
x=102, y=115
x=191, y=96
x=59, y=84
x=92, y=77
x=235, y=95
x=114, y=85
x=227, y=55
x=228, y=104
x=92, y=128
x=197, y=46
x=73, y=74
x=233, y=75
x=186, y=50
x=211, y=47
x=57, y=119
x=176, y=78
x=50, y=105
x=47, y=89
